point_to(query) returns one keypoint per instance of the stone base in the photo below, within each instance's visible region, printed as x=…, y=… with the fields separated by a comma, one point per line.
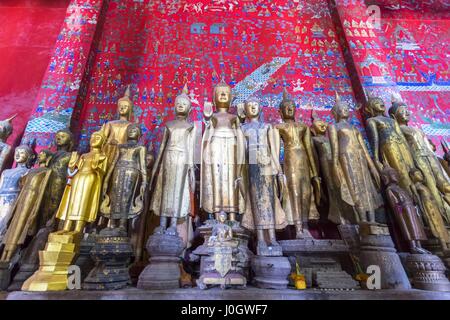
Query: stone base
x=112, y=255
x=317, y=258
x=163, y=270
x=231, y=279
x=269, y=251
x=194, y=294
x=84, y=259
x=271, y=272
x=5, y=275
x=379, y=250
x=428, y=272
x=335, y=279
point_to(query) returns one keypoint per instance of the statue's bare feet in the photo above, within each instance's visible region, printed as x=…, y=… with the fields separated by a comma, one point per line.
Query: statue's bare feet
x=418, y=250
x=172, y=231
x=159, y=230
x=303, y=234
x=274, y=243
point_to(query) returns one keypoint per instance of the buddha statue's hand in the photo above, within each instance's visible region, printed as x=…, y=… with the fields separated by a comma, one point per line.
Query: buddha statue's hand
x=316, y=188
x=282, y=182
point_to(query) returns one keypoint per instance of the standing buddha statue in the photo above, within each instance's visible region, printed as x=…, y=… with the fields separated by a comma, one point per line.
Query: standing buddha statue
x=264, y=212
x=388, y=143
x=432, y=213
x=57, y=182
x=173, y=175
x=27, y=206
x=404, y=211
x=6, y=129
x=299, y=168
x=10, y=184
x=353, y=168
x=81, y=199
x=424, y=158
x=115, y=131
x=126, y=175
x=338, y=210
x=223, y=153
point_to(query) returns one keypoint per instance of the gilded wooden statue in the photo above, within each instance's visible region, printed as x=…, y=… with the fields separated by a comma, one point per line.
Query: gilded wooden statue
x=352, y=167
x=299, y=168
x=339, y=211
x=223, y=153
x=404, y=210
x=115, y=131
x=27, y=206
x=432, y=213
x=125, y=183
x=10, y=185
x=264, y=212
x=173, y=175
x=435, y=177
x=6, y=130
x=81, y=199
x=58, y=164
x=388, y=143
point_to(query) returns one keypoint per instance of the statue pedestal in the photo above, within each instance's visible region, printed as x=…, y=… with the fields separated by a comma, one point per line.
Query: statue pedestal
x=378, y=249
x=163, y=270
x=112, y=254
x=318, y=259
x=54, y=262
x=271, y=272
x=428, y=272
x=5, y=275
x=84, y=259
x=239, y=234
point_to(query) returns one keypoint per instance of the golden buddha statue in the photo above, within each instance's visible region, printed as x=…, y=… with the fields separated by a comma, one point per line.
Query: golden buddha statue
x=352, y=167
x=223, y=152
x=81, y=199
x=6, y=130
x=173, y=175
x=27, y=205
x=388, y=143
x=339, y=211
x=79, y=205
x=264, y=212
x=424, y=158
x=431, y=211
x=115, y=131
x=299, y=168
x=10, y=185
x=126, y=175
x=57, y=182
x=445, y=162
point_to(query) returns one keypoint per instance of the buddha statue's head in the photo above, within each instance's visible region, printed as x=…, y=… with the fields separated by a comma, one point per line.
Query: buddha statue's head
x=287, y=107
x=389, y=175
x=222, y=217
x=125, y=105
x=340, y=109
x=97, y=140
x=183, y=103
x=64, y=139
x=416, y=175
x=44, y=157
x=252, y=108
x=375, y=107
x=222, y=95
x=6, y=128
x=24, y=155
x=134, y=132
x=399, y=111
x=319, y=127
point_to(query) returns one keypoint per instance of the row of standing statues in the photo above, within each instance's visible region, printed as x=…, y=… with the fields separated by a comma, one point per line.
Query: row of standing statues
x=118, y=186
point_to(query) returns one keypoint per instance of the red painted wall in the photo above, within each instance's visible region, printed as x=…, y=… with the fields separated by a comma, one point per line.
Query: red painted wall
x=27, y=36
